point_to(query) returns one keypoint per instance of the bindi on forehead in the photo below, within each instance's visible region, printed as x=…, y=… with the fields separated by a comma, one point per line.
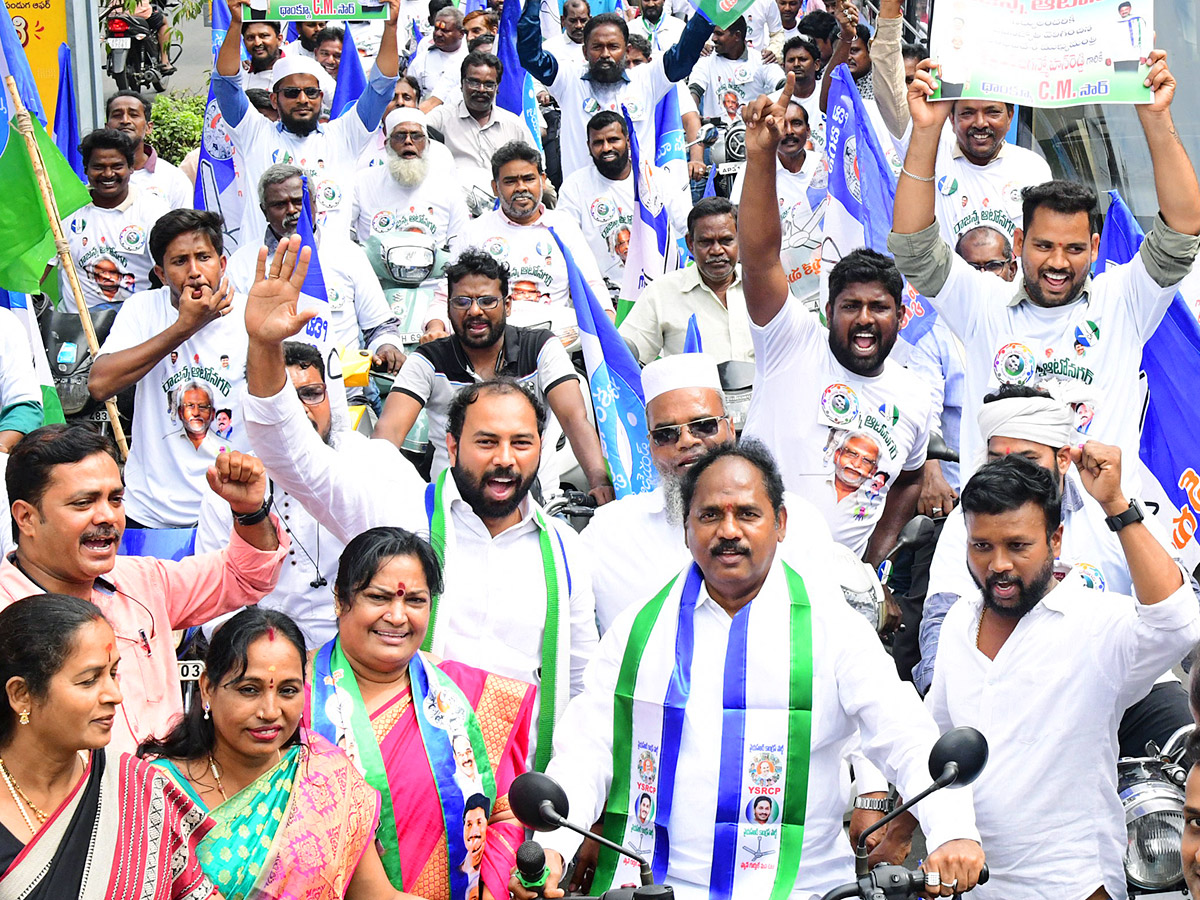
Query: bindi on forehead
x=400, y=588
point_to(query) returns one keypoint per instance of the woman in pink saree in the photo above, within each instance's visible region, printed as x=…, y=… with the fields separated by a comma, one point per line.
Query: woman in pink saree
x=441, y=741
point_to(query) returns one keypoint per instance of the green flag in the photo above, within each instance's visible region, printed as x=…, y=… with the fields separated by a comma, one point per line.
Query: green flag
x=722, y=13
x=26, y=242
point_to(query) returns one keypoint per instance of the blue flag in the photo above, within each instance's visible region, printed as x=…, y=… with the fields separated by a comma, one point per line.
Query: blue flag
x=66, y=113
x=13, y=62
x=668, y=130
x=691, y=341
x=1171, y=363
x=651, y=251
x=160, y=543
x=516, y=93
x=351, y=81
x=710, y=186
x=862, y=193
x=615, y=380
x=293, y=33
x=217, y=188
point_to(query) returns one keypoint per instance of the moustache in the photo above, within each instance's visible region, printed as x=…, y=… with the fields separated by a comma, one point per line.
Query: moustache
x=523, y=194
x=506, y=472
x=726, y=545
x=100, y=534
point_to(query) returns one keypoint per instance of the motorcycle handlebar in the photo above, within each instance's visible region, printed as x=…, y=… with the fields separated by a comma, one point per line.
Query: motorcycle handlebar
x=896, y=887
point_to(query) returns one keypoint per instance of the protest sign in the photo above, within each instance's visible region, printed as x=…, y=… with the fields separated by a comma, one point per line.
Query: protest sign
x=308, y=10
x=1047, y=53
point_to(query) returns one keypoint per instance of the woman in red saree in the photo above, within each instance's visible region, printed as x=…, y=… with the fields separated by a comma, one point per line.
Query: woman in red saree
x=75, y=821
x=441, y=741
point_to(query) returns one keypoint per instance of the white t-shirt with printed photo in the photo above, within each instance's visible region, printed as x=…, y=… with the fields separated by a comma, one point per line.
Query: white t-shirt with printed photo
x=167, y=183
x=111, y=249
x=802, y=197
x=762, y=18
x=729, y=84
x=432, y=207
x=840, y=439
x=169, y=454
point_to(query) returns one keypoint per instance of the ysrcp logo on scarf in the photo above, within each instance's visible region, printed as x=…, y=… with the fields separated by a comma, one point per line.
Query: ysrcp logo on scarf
x=1014, y=364
x=765, y=769
x=839, y=404
x=647, y=768
x=132, y=238
x=1091, y=576
x=444, y=710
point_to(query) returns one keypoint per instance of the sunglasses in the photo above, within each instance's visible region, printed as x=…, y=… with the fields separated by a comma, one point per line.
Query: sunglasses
x=311, y=394
x=293, y=93
x=464, y=303
x=992, y=267
x=666, y=435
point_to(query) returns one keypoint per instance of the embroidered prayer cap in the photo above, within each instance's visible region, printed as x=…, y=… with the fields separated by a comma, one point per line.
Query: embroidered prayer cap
x=402, y=114
x=682, y=370
x=296, y=65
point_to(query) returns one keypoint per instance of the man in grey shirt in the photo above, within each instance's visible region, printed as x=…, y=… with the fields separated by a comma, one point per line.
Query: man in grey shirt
x=1059, y=324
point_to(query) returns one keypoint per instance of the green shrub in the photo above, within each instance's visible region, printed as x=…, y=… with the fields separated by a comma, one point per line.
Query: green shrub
x=178, y=120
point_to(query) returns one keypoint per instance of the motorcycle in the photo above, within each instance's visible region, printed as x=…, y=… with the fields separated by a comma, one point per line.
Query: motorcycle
x=540, y=803
x=71, y=363
x=728, y=153
x=1152, y=794
x=132, y=57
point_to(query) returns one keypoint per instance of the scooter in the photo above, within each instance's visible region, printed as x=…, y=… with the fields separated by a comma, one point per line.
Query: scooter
x=132, y=57
x=540, y=803
x=71, y=363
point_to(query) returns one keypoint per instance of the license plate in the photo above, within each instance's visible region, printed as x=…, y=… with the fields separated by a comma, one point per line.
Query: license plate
x=99, y=415
x=729, y=168
x=411, y=337
x=118, y=43
x=190, y=669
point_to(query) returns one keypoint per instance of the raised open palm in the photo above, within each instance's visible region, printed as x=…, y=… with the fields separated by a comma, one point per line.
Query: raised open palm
x=271, y=314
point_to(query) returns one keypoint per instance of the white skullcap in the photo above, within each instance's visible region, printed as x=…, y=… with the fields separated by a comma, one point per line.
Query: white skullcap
x=404, y=114
x=296, y=65
x=1042, y=420
x=683, y=370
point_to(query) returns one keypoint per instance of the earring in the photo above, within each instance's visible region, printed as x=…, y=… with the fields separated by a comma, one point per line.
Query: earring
x=206, y=715
x=24, y=717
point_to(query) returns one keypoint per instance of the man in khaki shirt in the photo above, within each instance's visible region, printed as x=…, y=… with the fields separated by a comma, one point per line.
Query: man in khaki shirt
x=711, y=289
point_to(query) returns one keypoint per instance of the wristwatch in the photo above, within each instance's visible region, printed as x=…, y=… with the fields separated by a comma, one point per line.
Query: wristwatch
x=1135, y=513
x=875, y=804
x=253, y=518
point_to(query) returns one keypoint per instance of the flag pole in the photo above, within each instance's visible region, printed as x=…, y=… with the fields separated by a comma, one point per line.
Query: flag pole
x=25, y=126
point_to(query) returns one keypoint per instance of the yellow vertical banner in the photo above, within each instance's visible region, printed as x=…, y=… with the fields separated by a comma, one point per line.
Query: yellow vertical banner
x=41, y=27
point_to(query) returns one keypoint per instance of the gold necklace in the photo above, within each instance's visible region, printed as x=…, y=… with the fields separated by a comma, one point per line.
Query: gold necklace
x=979, y=627
x=212, y=767
x=18, y=795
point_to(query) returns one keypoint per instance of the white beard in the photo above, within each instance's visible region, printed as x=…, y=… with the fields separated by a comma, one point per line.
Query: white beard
x=672, y=485
x=406, y=172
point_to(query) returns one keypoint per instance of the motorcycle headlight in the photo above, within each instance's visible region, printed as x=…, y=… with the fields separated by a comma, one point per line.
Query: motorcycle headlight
x=73, y=394
x=1154, y=825
x=409, y=264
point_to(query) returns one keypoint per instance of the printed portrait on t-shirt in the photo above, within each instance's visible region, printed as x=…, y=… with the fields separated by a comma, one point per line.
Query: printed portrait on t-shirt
x=855, y=457
x=618, y=243
x=195, y=409
x=223, y=424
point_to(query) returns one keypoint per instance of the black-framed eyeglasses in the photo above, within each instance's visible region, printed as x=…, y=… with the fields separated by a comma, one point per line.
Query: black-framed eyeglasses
x=311, y=394
x=475, y=84
x=464, y=303
x=292, y=93
x=666, y=435
x=992, y=266
x=406, y=137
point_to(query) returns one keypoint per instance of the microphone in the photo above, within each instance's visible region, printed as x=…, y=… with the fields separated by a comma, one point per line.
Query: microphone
x=540, y=803
x=531, y=867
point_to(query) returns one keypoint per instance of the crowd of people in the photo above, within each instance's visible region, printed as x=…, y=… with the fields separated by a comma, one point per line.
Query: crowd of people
x=391, y=638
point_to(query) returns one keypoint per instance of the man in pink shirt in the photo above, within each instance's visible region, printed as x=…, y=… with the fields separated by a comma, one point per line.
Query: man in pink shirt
x=66, y=494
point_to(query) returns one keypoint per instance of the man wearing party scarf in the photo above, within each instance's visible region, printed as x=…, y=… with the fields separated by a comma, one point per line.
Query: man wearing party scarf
x=745, y=677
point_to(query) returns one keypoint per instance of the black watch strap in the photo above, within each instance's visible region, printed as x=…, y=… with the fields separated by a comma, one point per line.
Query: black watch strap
x=1135, y=513
x=257, y=516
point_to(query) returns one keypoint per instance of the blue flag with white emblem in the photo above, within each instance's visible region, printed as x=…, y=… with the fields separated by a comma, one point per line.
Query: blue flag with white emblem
x=615, y=380
x=862, y=193
x=217, y=184
x=651, y=250
x=515, y=92
x=1171, y=364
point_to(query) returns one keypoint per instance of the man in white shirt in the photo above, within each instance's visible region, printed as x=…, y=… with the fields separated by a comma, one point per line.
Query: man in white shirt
x=600, y=198
x=855, y=445
x=567, y=44
x=443, y=53
x=802, y=59
x=327, y=153
x=473, y=127
x=359, y=314
x=801, y=186
x=264, y=45
x=656, y=25
x=764, y=29
x=507, y=589
x=599, y=79
x=732, y=75
x=746, y=633
x=306, y=39
x=686, y=416
x=109, y=237
x=184, y=347
x=20, y=393
x=711, y=290
x=1060, y=323
x=1045, y=669
x=409, y=192
x=521, y=233
x=129, y=113
x=311, y=566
